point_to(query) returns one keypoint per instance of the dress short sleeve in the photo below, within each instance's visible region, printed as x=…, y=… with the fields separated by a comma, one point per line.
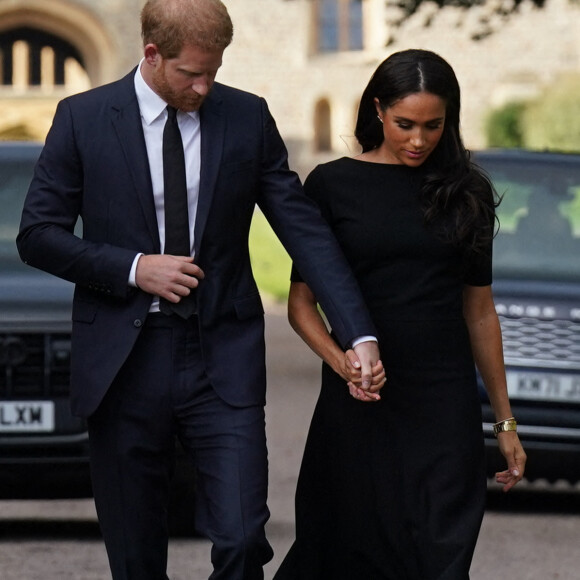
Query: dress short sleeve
x=479, y=266
x=295, y=275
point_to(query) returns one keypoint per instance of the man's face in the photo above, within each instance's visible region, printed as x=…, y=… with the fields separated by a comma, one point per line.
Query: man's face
x=182, y=82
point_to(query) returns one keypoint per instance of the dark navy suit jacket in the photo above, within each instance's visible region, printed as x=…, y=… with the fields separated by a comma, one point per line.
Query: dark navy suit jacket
x=94, y=165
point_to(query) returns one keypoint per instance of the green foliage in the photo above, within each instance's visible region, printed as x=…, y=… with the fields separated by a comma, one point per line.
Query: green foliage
x=553, y=120
x=549, y=122
x=409, y=7
x=503, y=127
x=270, y=262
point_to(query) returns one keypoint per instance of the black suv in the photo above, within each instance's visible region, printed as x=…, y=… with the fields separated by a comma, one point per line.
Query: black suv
x=36, y=428
x=43, y=448
x=537, y=296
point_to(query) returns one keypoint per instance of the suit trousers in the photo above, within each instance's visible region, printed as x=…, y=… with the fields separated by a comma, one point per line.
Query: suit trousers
x=161, y=392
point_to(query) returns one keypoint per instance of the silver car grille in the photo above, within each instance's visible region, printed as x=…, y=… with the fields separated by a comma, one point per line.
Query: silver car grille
x=541, y=343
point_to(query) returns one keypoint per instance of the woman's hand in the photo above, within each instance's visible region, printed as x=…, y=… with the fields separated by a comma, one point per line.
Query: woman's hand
x=353, y=376
x=307, y=321
x=512, y=450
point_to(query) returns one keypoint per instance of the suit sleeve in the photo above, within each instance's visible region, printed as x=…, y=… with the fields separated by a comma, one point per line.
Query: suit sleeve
x=307, y=237
x=312, y=188
x=51, y=210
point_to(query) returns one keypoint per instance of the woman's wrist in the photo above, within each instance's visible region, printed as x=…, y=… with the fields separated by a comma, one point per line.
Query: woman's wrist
x=509, y=424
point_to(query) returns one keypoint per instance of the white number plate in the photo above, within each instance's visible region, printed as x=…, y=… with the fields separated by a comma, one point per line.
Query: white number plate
x=26, y=416
x=543, y=386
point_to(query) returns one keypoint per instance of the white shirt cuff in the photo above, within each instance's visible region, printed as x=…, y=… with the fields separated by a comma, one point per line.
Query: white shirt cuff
x=133, y=272
x=359, y=339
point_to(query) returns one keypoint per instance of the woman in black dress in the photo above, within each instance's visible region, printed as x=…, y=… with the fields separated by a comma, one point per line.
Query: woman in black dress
x=392, y=485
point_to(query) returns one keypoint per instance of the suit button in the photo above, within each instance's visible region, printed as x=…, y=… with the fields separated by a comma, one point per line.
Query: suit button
x=138, y=323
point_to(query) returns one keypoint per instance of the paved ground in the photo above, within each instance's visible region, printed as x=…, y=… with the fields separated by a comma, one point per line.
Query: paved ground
x=531, y=535
x=60, y=540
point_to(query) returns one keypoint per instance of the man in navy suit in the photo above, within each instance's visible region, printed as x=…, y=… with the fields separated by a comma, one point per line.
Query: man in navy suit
x=142, y=376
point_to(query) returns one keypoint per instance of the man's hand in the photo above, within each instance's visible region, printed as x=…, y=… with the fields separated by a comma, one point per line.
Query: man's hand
x=372, y=373
x=166, y=276
x=355, y=383
x=368, y=356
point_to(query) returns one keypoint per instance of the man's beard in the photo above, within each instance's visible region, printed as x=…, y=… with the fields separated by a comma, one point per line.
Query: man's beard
x=190, y=102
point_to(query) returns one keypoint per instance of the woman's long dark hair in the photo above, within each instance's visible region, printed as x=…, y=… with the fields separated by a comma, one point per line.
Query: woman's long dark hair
x=454, y=188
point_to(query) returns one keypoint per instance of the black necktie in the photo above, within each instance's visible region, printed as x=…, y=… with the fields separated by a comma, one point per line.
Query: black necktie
x=175, y=200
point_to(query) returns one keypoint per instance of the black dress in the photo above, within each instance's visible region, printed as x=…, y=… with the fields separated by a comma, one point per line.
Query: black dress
x=394, y=490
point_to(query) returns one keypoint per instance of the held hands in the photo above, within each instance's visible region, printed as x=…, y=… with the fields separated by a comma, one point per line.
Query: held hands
x=167, y=276
x=512, y=450
x=364, y=372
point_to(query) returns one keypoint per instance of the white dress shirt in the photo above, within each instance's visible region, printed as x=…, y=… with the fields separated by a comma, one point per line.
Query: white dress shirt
x=153, y=116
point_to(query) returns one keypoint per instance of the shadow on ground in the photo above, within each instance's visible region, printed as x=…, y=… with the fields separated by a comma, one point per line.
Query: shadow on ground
x=33, y=529
x=538, y=497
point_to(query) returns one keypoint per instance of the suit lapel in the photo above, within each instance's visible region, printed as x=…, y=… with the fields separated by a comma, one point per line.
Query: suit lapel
x=126, y=120
x=212, y=122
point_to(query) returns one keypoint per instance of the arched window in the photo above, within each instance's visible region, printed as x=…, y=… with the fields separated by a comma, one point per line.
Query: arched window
x=31, y=58
x=338, y=25
x=322, y=131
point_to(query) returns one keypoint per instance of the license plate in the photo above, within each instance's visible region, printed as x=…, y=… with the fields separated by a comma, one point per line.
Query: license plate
x=543, y=386
x=26, y=416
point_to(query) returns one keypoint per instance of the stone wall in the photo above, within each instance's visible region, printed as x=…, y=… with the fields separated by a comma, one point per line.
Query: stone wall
x=514, y=58
x=271, y=55
x=519, y=56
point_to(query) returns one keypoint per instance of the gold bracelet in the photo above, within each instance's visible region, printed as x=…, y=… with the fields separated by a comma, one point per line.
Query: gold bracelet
x=505, y=425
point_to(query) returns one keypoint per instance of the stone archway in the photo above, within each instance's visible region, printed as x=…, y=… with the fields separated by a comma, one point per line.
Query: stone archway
x=26, y=114
x=75, y=24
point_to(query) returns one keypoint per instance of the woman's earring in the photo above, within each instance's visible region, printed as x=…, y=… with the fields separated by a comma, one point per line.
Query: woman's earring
x=379, y=118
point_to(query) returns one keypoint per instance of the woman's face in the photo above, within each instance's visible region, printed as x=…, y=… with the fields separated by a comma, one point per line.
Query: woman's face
x=412, y=127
